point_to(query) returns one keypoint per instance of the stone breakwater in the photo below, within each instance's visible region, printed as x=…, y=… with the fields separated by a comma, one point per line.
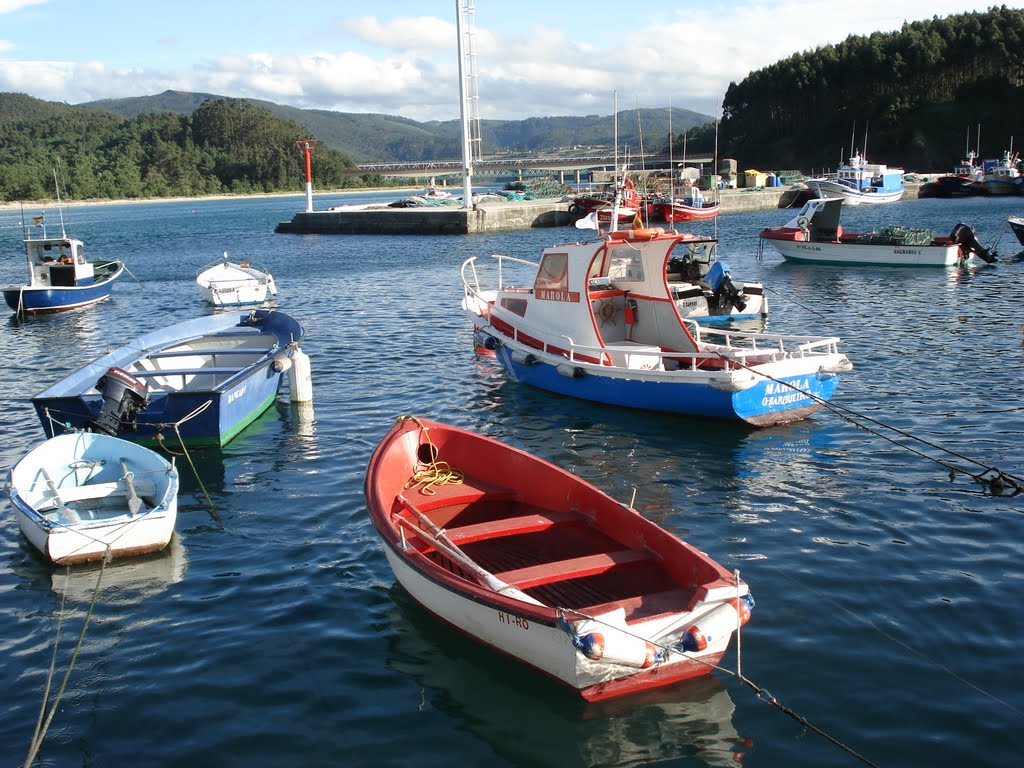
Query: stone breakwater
x=493, y=217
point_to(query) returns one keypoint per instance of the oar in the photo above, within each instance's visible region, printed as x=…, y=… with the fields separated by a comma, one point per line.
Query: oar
x=134, y=502
x=70, y=514
x=440, y=540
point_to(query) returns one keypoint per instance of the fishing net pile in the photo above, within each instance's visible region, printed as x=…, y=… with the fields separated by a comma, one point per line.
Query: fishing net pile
x=897, y=235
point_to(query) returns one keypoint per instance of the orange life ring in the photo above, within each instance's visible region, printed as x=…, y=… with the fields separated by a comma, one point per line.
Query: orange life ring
x=639, y=233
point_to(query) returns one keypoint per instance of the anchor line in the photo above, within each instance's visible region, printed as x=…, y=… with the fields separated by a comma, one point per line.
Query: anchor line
x=759, y=691
x=906, y=646
x=992, y=477
x=43, y=725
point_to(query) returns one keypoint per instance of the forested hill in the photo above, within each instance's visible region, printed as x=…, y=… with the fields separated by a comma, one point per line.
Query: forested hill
x=226, y=145
x=388, y=138
x=913, y=93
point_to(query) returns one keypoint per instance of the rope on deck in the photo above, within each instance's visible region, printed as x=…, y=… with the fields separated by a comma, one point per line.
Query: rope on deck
x=433, y=472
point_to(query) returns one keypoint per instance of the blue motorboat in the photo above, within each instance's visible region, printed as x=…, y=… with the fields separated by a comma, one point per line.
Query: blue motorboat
x=60, y=276
x=199, y=382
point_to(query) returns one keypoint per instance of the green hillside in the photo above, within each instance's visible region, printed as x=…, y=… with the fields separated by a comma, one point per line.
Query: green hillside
x=913, y=94
x=386, y=138
x=224, y=145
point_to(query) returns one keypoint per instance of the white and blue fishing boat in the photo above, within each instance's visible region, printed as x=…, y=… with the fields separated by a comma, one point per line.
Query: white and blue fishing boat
x=198, y=382
x=60, y=277
x=860, y=182
x=599, y=320
x=81, y=495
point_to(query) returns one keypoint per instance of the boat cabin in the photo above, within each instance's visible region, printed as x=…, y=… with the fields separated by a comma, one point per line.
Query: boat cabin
x=58, y=262
x=617, y=292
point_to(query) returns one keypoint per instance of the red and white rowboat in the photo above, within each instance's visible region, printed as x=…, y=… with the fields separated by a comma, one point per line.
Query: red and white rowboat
x=543, y=567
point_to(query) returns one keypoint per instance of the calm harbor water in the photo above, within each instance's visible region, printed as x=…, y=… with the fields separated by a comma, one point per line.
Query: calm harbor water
x=272, y=633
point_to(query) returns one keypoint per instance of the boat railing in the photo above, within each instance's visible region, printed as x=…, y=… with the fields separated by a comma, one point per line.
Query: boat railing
x=732, y=348
x=471, y=279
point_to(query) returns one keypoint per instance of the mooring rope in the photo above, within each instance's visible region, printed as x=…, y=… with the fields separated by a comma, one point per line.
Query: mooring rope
x=42, y=726
x=899, y=642
x=433, y=472
x=761, y=693
x=996, y=481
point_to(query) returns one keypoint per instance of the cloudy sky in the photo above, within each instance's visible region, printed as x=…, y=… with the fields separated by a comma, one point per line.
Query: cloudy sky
x=399, y=57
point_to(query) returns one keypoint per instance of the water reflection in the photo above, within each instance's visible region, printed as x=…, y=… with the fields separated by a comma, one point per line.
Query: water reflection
x=531, y=721
x=125, y=581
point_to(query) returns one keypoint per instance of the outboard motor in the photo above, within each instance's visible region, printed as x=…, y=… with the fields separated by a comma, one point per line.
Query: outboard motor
x=964, y=236
x=725, y=290
x=123, y=397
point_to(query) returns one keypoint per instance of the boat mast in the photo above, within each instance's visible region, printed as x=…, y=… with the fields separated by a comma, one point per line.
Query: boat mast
x=615, y=175
x=672, y=165
x=469, y=95
x=60, y=209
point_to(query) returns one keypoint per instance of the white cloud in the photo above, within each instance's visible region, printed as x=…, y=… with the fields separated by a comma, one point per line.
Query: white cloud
x=408, y=66
x=11, y=6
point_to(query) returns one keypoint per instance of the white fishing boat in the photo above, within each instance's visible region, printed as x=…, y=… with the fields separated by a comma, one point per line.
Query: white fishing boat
x=815, y=235
x=81, y=495
x=599, y=320
x=229, y=284
x=860, y=182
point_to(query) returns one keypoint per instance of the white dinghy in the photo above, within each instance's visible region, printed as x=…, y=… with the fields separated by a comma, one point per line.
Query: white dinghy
x=229, y=284
x=81, y=494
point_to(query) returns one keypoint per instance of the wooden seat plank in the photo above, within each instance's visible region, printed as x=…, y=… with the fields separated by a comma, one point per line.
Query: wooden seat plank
x=512, y=526
x=573, y=568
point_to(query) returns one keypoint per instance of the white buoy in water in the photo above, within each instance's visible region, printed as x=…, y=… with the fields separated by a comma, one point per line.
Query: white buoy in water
x=300, y=378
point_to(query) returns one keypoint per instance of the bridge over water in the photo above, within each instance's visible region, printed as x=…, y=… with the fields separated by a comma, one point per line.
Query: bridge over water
x=512, y=166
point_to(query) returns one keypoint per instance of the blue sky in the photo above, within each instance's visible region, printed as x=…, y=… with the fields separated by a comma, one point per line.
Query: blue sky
x=534, y=58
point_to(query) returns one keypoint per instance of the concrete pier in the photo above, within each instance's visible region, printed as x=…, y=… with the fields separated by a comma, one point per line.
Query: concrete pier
x=493, y=217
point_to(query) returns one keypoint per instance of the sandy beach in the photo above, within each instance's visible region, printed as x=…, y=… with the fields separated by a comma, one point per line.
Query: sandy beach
x=36, y=204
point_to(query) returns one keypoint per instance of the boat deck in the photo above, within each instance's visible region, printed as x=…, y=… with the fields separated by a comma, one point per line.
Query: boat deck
x=557, y=557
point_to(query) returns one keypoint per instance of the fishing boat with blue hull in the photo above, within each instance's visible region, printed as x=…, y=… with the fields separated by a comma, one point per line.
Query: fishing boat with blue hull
x=80, y=496
x=600, y=321
x=60, y=277
x=197, y=382
x=860, y=182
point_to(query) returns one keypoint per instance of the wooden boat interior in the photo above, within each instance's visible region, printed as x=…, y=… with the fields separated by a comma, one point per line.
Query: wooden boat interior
x=558, y=557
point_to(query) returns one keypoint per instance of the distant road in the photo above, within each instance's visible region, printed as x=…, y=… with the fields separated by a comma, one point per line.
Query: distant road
x=514, y=165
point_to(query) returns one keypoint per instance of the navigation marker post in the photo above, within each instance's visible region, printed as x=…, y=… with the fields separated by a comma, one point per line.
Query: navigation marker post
x=306, y=147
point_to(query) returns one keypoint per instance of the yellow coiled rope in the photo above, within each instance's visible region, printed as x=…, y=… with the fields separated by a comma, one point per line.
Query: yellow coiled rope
x=434, y=472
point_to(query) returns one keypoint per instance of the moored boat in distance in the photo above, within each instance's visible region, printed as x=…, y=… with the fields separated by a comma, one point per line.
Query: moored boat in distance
x=229, y=284
x=543, y=567
x=81, y=495
x=1002, y=177
x=201, y=381
x=815, y=235
x=691, y=207
x=60, y=276
x=860, y=182
x=601, y=320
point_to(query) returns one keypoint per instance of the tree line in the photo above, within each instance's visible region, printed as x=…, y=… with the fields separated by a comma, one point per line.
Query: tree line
x=911, y=95
x=224, y=146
